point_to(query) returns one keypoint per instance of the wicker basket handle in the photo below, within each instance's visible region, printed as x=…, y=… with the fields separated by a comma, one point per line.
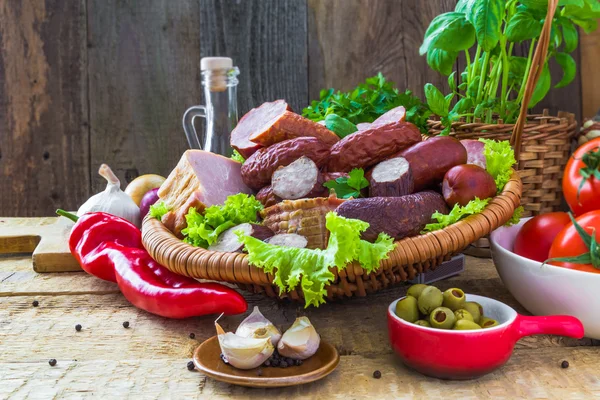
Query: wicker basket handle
x=537, y=66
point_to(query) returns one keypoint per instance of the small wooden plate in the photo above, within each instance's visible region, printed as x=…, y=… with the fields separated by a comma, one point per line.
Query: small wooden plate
x=207, y=359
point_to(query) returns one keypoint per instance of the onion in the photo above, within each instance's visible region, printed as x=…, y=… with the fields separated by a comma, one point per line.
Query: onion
x=138, y=187
x=149, y=198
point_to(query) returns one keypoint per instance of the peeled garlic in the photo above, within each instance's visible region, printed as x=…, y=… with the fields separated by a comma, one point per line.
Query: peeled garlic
x=112, y=200
x=257, y=326
x=300, y=341
x=244, y=352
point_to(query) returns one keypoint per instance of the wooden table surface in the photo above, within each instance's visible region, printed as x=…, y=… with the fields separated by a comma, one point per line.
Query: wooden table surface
x=149, y=359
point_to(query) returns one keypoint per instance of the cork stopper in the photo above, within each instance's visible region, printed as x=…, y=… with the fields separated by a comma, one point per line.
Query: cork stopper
x=212, y=63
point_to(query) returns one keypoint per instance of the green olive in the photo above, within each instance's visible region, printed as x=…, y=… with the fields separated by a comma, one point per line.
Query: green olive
x=475, y=309
x=454, y=299
x=465, y=325
x=463, y=314
x=407, y=309
x=442, y=318
x=422, y=322
x=416, y=290
x=486, y=322
x=430, y=299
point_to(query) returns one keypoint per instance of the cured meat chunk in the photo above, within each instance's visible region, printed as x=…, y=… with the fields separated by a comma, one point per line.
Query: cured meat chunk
x=200, y=179
x=258, y=169
x=301, y=179
x=397, y=114
x=369, y=147
x=272, y=123
x=266, y=197
x=399, y=217
x=391, y=178
x=258, y=119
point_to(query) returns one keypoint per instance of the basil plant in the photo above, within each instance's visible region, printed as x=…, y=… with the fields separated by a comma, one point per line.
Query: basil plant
x=484, y=33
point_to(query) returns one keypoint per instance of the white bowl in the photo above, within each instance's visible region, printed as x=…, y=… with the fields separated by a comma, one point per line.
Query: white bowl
x=546, y=290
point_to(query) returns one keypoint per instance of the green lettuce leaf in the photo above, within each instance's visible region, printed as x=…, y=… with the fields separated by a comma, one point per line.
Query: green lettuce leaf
x=204, y=229
x=516, y=217
x=457, y=213
x=500, y=158
x=157, y=210
x=309, y=268
x=236, y=156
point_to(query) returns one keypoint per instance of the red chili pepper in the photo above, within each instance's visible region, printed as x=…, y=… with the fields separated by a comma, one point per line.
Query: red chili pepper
x=111, y=248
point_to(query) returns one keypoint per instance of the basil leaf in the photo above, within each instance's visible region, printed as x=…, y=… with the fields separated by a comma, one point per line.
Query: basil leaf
x=542, y=87
x=556, y=37
x=464, y=6
x=442, y=61
x=450, y=31
x=473, y=87
x=452, y=81
x=578, y=3
x=535, y=4
x=486, y=16
x=523, y=26
x=436, y=100
x=569, y=67
x=518, y=65
x=570, y=35
x=463, y=105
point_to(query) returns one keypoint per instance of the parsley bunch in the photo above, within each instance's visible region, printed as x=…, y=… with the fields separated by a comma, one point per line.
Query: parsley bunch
x=367, y=102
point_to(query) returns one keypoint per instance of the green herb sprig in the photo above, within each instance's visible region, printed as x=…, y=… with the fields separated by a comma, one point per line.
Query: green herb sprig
x=346, y=187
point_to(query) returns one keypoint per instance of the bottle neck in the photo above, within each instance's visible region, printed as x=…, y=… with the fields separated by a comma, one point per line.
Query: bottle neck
x=220, y=95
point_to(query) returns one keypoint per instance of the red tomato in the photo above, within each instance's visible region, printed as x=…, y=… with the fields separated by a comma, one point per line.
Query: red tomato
x=536, y=236
x=569, y=243
x=589, y=195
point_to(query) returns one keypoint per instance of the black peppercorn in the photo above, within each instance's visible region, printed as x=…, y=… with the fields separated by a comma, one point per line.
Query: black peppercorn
x=126, y=324
x=190, y=366
x=275, y=362
x=259, y=372
x=377, y=374
x=283, y=364
x=78, y=327
x=192, y=335
x=298, y=362
x=564, y=364
x=52, y=362
x=268, y=363
x=35, y=303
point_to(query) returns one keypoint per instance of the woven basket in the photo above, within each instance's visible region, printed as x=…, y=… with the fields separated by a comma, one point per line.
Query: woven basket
x=410, y=256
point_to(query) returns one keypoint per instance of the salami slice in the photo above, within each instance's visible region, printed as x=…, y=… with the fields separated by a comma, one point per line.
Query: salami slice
x=299, y=180
x=229, y=242
x=288, y=240
x=391, y=178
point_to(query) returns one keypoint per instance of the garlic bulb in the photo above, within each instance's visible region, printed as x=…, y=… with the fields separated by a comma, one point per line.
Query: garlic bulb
x=244, y=352
x=300, y=341
x=112, y=200
x=257, y=326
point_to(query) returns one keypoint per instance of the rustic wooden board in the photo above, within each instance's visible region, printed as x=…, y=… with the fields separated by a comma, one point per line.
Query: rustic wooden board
x=350, y=40
x=590, y=73
x=46, y=238
x=43, y=107
x=143, y=74
x=267, y=41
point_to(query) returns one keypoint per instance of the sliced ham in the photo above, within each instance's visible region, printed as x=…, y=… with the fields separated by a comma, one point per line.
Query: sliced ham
x=200, y=179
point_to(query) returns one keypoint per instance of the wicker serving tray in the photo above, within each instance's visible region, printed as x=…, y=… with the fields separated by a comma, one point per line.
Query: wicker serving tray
x=411, y=256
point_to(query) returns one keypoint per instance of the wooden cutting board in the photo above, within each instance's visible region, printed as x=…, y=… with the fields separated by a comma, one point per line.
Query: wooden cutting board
x=46, y=238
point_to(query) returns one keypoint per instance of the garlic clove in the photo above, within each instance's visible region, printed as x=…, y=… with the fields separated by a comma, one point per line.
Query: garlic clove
x=256, y=325
x=243, y=352
x=300, y=341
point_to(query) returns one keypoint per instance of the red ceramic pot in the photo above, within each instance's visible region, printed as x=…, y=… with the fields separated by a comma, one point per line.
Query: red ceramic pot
x=449, y=354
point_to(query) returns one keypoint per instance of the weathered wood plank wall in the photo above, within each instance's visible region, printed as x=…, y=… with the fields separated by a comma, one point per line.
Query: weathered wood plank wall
x=90, y=81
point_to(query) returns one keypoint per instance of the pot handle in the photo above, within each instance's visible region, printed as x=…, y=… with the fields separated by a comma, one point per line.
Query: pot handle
x=562, y=325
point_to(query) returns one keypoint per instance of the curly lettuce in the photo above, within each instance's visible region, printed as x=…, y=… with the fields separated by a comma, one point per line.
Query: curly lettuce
x=516, y=217
x=157, y=210
x=203, y=229
x=456, y=214
x=500, y=158
x=236, y=156
x=309, y=268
